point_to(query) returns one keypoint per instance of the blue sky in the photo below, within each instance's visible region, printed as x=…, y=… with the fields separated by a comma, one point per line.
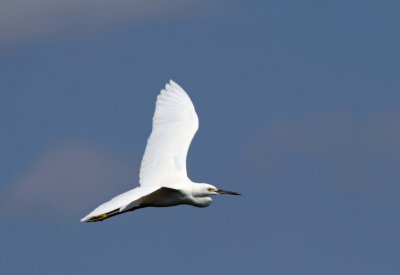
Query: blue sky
x=299, y=111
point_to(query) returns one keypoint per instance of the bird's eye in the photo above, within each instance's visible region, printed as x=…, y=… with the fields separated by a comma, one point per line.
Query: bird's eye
x=210, y=189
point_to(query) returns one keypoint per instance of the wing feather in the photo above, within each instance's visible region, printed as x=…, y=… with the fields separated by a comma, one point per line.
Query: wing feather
x=120, y=202
x=175, y=123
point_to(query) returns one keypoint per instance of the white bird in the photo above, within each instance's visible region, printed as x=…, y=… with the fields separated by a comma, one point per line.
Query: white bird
x=163, y=178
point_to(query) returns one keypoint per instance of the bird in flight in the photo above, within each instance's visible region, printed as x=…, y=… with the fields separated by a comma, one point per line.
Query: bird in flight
x=163, y=178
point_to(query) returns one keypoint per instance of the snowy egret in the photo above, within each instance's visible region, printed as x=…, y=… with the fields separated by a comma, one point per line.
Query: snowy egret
x=163, y=178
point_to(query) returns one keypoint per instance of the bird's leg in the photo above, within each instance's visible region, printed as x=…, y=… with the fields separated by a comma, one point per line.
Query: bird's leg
x=104, y=216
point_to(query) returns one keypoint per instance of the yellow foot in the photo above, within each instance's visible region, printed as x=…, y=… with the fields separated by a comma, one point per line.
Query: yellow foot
x=103, y=216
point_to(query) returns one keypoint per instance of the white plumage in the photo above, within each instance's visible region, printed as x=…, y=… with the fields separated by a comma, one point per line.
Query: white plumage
x=175, y=123
x=163, y=178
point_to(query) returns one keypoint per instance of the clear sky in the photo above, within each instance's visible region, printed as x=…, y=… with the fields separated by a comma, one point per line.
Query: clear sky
x=299, y=110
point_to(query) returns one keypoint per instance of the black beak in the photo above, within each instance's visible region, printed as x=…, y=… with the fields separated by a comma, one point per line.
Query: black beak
x=224, y=192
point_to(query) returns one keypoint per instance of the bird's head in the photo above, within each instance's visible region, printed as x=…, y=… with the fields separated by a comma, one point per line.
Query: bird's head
x=209, y=189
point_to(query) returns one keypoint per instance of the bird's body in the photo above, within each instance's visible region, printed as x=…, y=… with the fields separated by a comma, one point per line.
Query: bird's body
x=163, y=179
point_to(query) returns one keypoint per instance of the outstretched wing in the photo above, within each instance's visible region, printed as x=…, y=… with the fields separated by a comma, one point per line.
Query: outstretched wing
x=120, y=203
x=175, y=123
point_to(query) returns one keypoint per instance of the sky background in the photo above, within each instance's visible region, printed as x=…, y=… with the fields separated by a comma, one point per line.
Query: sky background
x=299, y=110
